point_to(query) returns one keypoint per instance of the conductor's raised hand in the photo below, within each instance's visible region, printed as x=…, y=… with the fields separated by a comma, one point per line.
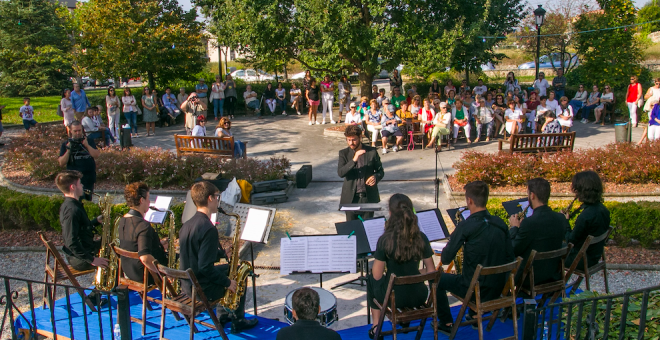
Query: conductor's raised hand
x=100, y=262
x=233, y=286
x=371, y=181
x=358, y=154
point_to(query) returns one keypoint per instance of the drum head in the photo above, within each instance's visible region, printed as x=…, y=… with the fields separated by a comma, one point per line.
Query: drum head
x=328, y=299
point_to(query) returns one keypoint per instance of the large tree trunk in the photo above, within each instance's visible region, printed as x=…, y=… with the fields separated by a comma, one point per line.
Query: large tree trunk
x=150, y=78
x=366, y=79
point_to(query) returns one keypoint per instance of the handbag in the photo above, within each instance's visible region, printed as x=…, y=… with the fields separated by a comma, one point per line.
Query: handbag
x=59, y=111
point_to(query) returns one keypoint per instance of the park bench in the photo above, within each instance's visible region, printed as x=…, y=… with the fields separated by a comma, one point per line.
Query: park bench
x=221, y=146
x=537, y=142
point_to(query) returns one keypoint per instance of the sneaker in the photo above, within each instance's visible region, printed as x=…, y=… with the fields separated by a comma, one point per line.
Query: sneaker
x=333, y=122
x=293, y=106
x=283, y=113
x=310, y=123
x=298, y=113
x=317, y=122
x=395, y=148
x=384, y=151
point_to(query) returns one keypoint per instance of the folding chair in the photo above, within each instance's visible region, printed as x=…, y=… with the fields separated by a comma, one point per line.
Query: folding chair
x=405, y=315
x=416, y=134
x=61, y=271
x=190, y=307
x=555, y=287
x=586, y=273
x=507, y=299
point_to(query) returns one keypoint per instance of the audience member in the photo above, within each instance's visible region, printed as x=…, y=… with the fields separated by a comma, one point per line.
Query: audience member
x=565, y=114
x=592, y=103
x=93, y=130
x=451, y=98
x=552, y=102
x=170, y=104
x=130, y=111
x=270, y=98
x=511, y=83
x=541, y=85
x=224, y=130
x=441, y=122
x=313, y=94
x=634, y=99
x=465, y=88
x=374, y=92
x=532, y=104
x=484, y=119
x=217, y=97
x=426, y=115
x=181, y=97
x=26, y=112
x=434, y=89
x=449, y=87
x=395, y=81
x=295, y=96
x=344, y=88
x=79, y=101
x=514, y=118
x=499, y=108
x=559, y=83
x=112, y=103
x=353, y=117
x=280, y=97
x=397, y=98
x=480, y=89
x=390, y=127
x=606, y=101
x=381, y=97
x=192, y=108
x=541, y=111
x=327, y=98
x=200, y=128
x=78, y=153
x=654, y=122
x=149, y=111
x=461, y=117
x=68, y=113
x=579, y=101
x=373, y=121
x=251, y=101
x=202, y=93
x=230, y=96
x=416, y=105
x=551, y=124
x=306, y=306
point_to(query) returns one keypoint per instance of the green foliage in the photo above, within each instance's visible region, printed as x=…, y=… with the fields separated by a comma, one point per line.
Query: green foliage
x=650, y=12
x=34, y=48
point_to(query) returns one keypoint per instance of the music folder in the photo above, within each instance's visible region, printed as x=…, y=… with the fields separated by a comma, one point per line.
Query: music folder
x=452, y=215
x=257, y=228
x=516, y=206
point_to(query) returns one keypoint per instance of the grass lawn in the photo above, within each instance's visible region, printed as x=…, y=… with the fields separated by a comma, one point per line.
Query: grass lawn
x=652, y=52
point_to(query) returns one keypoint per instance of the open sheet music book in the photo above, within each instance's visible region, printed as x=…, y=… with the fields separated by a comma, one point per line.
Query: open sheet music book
x=428, y=222
x=516, y=206
x=318, y=254
x=256, y=225
x=162, y=203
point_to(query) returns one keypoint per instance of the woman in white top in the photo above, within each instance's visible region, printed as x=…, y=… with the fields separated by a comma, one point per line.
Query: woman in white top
x=112, y=104
x=552, y=102
x=224, y=130
x=605, y=99
x=68, y=113
x=200, y=127
x=651, y=97
x=484, y=118
x=295, y=94
x=513, y=115
x=344, y=88
x=415, y=105
x=217, y=97
x=353, y=117
x=440, y=125
x=327, y=97
x=280, y=96
x=565, y=114
x=130, y=111
x=522, y=106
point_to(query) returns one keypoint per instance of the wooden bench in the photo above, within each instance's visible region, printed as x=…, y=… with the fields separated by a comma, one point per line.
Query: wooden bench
x=221, y=146
x=539, y=142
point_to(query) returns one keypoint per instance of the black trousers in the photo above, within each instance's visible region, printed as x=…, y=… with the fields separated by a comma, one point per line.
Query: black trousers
x=230, y=103
x=216, y=292
x=81, y=265
x=453, y=283
x=350, y=215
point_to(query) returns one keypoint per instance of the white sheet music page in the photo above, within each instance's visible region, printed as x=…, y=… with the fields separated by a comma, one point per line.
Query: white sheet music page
x=374, y=229
x=318, y=253
x=293, y=255
x=430, y=226
x=465, y=214
x=255, y=225
x=524, y=205
x=343, y=253
x=344, y=208
x=162, y=203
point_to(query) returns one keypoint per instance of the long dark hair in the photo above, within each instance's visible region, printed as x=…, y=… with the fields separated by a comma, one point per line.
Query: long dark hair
x=402, y=231
x=588, y=187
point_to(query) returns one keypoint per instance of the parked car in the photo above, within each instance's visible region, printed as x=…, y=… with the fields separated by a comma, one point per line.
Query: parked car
x=545, y=62
x=91, y=82
x=250, y=75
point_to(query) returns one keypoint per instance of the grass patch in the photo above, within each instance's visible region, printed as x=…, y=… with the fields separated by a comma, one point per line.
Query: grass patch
x=514, y=57
x=652, y=52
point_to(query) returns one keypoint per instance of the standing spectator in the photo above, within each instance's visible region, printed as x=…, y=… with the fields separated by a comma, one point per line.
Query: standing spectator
x=1, y=128
x=374, y=92
x=434, y=90
x=182, y=96
x=27, y=113
x=565, y=114
x=202, y=92
x=559, y=83
x=327, y=97
x=390, y=127
x=353, y=117
x=398, y=98
x=192, y=107
x=395, y=80
x=305, y=85
x=449, y=87
x=606, y=100
x=373, y=122
x=200, y=128
x=79, y=101
x=480, y=89
x=651, y=97
x=552, y=103
x=170, y=104
x=511, y=83
x=592, y=103
x=541, y=85
x=484, y=118
x=634, y=98
x=78, y=153
x=149, y=111
x=130, y=111
x=269, y=97
x=112, y=104
x=280, y=96
x=344, y=88
x=251, y=101
x=654, y=123
x=461, y=117
x=465, y=88
x=579, y=101
x=295, y=95
x=440, y=125
x=313, y=95
x=224, y=130
x=230, y=95
x=514, y=119
x=218, y=97
x=68, y=113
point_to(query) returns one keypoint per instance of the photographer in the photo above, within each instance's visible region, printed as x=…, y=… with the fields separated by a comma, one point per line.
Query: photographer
x=193, y=107
x=78, y=153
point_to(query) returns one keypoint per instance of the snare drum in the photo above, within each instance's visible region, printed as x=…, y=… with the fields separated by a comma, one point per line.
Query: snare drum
x=328, y=314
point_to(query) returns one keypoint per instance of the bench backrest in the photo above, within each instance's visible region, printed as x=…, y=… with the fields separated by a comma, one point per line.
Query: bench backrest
x=204, y=144
x=546, y=142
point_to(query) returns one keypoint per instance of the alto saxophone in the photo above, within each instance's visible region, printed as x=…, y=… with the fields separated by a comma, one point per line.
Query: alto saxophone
x=523, y=213
x=106, y=278
x=238, y=271
x=458, y=260
x=172, y=261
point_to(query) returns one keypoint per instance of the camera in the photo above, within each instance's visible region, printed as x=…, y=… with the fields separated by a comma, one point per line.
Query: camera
x=75, y=144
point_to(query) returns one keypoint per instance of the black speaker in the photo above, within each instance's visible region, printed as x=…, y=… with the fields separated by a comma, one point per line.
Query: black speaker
x=125, y=140
x=304, y=176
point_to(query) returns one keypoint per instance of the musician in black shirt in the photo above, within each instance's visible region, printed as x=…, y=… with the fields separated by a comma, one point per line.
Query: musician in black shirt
x=306, y=306
x=485, y=241
x=137, y=235
x=200, y=250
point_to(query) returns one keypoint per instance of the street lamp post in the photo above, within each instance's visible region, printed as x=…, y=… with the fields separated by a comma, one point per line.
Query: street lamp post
x=539, y=16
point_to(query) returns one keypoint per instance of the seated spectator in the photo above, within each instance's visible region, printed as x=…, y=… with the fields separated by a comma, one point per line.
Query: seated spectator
x=406, y=117
x=461, y=117
x=450, y=87
x=397, y=98
x=499, y=107
x=163, y=114
x=565, y=114
x=434, y=90
x=93, y=130
x=489, y=99
x=551, y=125
x=381, y=97
x=373, y=121
x=416, y=105
x=520, y=105
x=412, y=92
x=295, y=95
x=484, y=119
x=224, y=130
x=532, y=104
x=514, y=118
x=306, y=306
x=451, y=97
x=552, y=102
x=390, y=127
x=270, y=98
x=426, y=115
x=654, y=121
x=480, y=89
x=441, y=123
x=363, y=108
x=251, y=100
x=170, y=104
x=280, y=97
x=605, y=102
x=578, y=102
x=353, y=117
x=520, y=93
x=200, y=128
x=508, y=98
x=541, y=111
x=465, y=88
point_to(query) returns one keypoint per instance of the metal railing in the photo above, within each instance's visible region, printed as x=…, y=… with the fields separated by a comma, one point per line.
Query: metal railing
x=15, y=307
x=620, y=316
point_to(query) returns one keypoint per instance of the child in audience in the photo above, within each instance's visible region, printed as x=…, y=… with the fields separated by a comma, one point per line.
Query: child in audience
x=27, y=113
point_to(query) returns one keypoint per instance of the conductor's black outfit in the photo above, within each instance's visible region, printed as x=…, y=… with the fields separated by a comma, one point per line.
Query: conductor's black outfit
x=543, y=231
x=137, y=235
x=593, y=220
x=307, y=329
x=355, y=175
x=485, y=241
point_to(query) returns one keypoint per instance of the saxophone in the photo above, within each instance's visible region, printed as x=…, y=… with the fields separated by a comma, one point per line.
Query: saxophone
x=523, y=213
x=458, y=260
x=238, y=271
x=567, y=211
x=172, y=261
x=106, y=278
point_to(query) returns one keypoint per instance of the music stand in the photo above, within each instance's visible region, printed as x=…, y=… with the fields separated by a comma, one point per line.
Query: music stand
x=309, y=271
x=513, y=207
x=363, y=248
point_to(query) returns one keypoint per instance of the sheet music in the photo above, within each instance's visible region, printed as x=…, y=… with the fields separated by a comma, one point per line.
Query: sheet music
x=438, y=246
x=465, y=214
x=214, y=218
x=293, y=255
x=524, y=205
x=162, y=203
x=255, y=225
x=374, y=229
x=344, y=208
x=343, y=252
x=430, y=226
x=318, y=250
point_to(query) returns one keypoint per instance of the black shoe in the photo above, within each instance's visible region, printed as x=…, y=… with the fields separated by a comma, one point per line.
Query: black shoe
x=444, y=329
x=372, y=332
x=405, y=325
x=243, y=324
x=224, y=318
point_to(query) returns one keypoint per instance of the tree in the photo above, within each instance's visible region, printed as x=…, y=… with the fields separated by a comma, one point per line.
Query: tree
x=140, y=37
x=609, y=56
x=34, y=48
x=650, y=12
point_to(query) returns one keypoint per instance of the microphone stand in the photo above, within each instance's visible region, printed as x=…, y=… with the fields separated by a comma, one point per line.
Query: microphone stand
x=436, y=181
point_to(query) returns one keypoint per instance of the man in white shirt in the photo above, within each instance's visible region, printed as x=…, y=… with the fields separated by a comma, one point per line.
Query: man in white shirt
x=480, y=89
x=251, y=100
x=541, y=85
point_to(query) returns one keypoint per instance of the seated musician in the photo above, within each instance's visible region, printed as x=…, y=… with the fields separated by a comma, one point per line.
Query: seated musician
x=399, y=250
x=77, y=230
x=200, y=250
x=485, y=241
x=543, y=231
x=137, y=235
x=594, y=218
x=306, y=305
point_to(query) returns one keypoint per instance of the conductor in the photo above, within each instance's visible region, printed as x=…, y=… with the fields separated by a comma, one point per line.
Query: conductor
x=360, y=167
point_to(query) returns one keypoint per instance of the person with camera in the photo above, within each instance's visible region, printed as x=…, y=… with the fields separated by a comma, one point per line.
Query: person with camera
x=78, y=153
x=193, y=107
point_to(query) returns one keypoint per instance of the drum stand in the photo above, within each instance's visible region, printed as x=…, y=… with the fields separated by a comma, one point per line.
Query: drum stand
x=362, y=262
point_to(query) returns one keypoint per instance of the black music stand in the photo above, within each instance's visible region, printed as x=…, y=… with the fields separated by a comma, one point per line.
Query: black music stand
x=364, y=251
x=513, y=207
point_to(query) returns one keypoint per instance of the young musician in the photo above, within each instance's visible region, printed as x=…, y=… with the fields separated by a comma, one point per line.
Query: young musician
x=543, y=231
x=137, y=235
x=306, y=305
x=77, y=230
x=360, y=167
x=593, y=220
x=485, y=241
x=400, y=249
x=200, y=249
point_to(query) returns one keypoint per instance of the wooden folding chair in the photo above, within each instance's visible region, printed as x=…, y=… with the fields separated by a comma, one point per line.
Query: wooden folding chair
x=142, y=288
x=586, y=273
x=405, y=315
x=417, y=134
x=61, y=271
x=190, y=307
x=507, y=299
x=555, y=287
